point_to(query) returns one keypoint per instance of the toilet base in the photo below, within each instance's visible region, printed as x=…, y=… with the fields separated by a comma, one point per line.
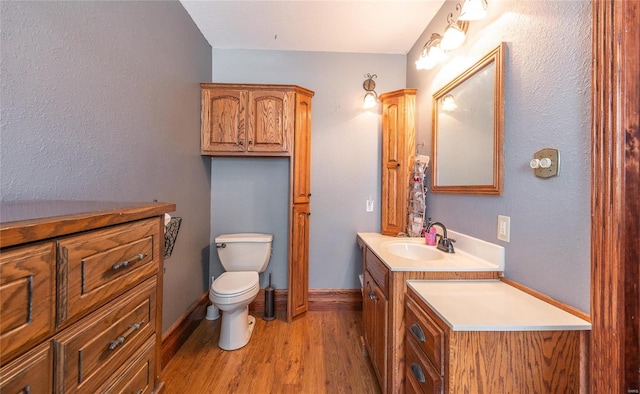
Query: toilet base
x=236, y=328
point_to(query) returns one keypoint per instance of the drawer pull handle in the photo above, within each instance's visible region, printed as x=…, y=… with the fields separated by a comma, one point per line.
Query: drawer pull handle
x=125, y=263
x=417, y=332
x=417, y=372
x=114, y=343
x=27, y=389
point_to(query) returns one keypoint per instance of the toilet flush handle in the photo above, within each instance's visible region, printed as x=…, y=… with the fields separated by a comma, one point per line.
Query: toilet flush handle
x=221, y=245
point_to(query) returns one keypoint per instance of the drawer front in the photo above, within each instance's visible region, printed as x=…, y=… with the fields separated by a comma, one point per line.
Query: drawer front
x=138, y=374
x=427, y=335
x=419, y=369
x=27, y=297
x=378, y=271
x=32, y=373
x=88, y=353
x=98, y=265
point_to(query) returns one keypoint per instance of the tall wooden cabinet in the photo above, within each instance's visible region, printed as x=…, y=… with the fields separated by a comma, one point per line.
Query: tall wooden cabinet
x=81, y=296
x=398, y=151
x=268, y=120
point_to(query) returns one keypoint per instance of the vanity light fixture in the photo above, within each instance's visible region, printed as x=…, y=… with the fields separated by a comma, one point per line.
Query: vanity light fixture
x=449, y=103
x=370, y=97
x=454, y=35
x=431, y=53
x=473, y=10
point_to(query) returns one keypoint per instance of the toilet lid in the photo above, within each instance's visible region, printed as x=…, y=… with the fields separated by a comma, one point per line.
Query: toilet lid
x=235, y=283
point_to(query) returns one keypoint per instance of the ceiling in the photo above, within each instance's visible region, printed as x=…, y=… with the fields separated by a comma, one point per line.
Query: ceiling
x=382, y=26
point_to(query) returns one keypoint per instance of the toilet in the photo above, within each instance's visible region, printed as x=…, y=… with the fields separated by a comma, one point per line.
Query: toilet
x=243, y=256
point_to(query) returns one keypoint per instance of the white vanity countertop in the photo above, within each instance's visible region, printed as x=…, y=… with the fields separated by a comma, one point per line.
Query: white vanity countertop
x=492, y=305
x=450, y=262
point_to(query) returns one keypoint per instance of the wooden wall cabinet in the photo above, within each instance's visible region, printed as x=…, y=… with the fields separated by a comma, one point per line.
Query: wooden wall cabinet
x=268, y=120
x=383, y=314
x=441, y=360
x=81, y=287
x=398, y=151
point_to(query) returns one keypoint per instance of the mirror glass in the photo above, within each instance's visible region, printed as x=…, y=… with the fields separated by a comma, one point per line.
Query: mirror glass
x=468, y=130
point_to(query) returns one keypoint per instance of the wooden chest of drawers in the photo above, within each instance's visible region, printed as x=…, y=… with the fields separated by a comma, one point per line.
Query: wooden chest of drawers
x=81, y=297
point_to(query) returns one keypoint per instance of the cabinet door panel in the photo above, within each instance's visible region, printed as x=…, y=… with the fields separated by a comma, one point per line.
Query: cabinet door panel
x=299, y=261
x=89, y=352
x=31, y=373
x=27, y=297
x=271, y=121
x=95, y=266
x=302, y=151
x=223, y=120
x=392, y=168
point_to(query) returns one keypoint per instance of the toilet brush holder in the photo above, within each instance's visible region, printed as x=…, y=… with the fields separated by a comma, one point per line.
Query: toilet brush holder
x=269, y=302
x=212, y=312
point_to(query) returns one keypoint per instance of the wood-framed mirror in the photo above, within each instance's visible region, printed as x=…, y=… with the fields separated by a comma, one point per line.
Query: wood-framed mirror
x=468, y=131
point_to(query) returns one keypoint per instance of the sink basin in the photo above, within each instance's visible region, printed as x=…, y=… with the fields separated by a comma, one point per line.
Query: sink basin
x=413, y=251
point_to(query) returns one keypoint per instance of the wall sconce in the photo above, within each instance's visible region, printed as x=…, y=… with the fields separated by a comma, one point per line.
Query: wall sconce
x=431, y=53
x=370, y=97
x=473, y=10
x=449, y=103
x=454, y=34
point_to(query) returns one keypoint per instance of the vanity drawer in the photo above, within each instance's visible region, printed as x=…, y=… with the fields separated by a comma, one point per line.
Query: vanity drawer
x=31, y=373
x=138, y=374
x=96, y=266
x=378, y=271
x=428, y=336
x=88, y=353
x=27, y=297
x=419, y=371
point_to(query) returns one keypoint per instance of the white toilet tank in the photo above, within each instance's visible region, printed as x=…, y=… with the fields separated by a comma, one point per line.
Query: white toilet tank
x=244, y=251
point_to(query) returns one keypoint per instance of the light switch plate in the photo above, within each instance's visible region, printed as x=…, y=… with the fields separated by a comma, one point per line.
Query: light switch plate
x=554, y=169
x=504, y=228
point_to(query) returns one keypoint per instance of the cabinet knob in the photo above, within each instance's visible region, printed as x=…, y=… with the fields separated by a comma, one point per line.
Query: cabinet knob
x=417, y=372
x=372, y=296
x=308, y=213
x=309, y=195
x=240, y=143
x=250, y=142
x=417, y=332
x=398, y=165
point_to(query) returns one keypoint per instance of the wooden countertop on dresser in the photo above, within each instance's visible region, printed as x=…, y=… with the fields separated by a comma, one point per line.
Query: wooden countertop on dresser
x=28, y=221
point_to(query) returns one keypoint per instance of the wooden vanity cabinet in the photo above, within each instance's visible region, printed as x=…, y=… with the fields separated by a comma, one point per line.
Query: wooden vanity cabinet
x=441, y=360
x=81, y=290
x=383, y=312
x=398, y=151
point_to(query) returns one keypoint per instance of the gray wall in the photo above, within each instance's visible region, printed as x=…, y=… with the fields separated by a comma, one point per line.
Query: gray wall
x=547, y=104
x=100, y=101
x=345, y=161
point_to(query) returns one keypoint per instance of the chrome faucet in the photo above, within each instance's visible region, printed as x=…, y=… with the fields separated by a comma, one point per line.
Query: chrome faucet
x=444, y=243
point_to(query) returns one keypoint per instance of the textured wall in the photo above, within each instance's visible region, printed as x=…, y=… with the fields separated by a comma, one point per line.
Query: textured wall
x=100, y=100
x=547, y=104
x=345, y=160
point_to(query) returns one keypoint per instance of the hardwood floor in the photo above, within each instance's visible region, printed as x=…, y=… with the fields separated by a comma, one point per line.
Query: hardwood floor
x=320, y=352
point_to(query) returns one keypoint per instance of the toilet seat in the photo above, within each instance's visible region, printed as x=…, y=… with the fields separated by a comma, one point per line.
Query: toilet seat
x=234, y=284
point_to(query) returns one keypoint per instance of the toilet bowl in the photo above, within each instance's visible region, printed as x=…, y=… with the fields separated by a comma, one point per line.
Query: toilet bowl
x=243, y=256
x=232, y=293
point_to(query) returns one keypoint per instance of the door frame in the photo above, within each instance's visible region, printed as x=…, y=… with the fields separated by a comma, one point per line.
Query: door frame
x=615, y=207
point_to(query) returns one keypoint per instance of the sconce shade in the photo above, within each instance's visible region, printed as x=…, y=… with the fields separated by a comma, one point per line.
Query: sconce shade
x=473, y=10
x=370, y=100
x=449, y=103
x=453, y=36
x=431, y=54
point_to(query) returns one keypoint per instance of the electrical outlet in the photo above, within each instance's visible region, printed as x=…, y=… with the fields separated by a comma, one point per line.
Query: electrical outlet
x=504, y=228
x=370, y=205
